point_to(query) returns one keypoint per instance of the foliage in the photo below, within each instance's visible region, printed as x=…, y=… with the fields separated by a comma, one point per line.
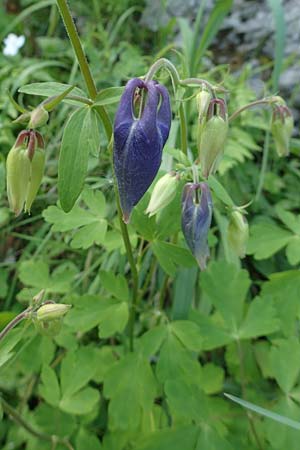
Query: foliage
x=149, y=375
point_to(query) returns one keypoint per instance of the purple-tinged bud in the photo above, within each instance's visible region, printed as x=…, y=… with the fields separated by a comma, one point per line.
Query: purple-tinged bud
x=282, y=128
x=238, y=233
x=138, y=142
x=212, y=135
x=196, y=220
x=38, y=117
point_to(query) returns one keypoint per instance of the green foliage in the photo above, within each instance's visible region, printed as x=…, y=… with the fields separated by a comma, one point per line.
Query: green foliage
x=150, y=374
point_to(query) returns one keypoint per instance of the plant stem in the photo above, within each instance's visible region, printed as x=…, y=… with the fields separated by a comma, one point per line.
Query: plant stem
x=134, y=273
x=264, y=101
x=43, y=436
x=15, y=321
x=263, y=164
x=82, y=61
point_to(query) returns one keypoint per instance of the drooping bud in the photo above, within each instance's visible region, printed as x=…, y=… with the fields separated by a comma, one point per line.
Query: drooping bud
x=163, y=193
x=238, y=233
x=49, y=318
x=36, y=172
x=282, y=128
x=203, y=99
x=52, y=311
x=24, y=170
x=18, y=173
x=196, y=220
x=138, y=142
x=38, y=117
x=212, y=135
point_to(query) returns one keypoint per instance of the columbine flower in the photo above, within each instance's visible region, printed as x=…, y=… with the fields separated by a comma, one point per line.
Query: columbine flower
x=12, y=44
x=196, y=220
x=138, y=142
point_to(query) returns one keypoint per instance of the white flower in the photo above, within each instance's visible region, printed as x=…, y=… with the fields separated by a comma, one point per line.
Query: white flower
x=12, y=44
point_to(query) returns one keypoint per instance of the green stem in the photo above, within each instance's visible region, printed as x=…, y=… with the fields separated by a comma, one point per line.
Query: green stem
x=264, y=101
x=23, y=315
x=134, y=273
x=183, y=129
x=264, y=164
x=82, y=61
x=9, y=410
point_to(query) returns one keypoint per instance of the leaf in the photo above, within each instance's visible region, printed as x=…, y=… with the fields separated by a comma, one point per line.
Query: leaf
x=131, y=388
x=49, y=389
x=115, y=284
x=214, y=336
x=220, y=191
x=82, y=402
x=114, y=319
x=260, y=320
x=188, y=333
x=49, y=89
x=290, y=220
x=78, y=139
x=265, y=412
x=285, y=363
x=184, y=289
x=52, y=421
x=175, y=438
x=87, y=440
x=212, y=378
x=170, y=256
x=293, y=250
x=108, y=96
x=62, y=221
x=226, y=286
x=266, y=239
x=72, y=379
x=151, y=341
x=91, y=234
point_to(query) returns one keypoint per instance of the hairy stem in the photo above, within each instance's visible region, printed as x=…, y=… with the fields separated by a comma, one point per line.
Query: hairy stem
x=82, y=61
x=9, y=410
x=264, y=101
x=15, y=321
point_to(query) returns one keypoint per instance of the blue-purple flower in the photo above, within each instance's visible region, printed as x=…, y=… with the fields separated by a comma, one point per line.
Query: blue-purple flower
x=138, y=142
x=196, y=220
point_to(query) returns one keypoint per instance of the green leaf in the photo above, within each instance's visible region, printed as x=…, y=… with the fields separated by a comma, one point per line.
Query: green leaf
x=52, y=421
x=95, y=201
x=82, y=402
x=114, y=319
x=108, y=96
x=265, y=412
x=91, y=234
x=62, y=221
x=290, y=220
x=184, y=289
x=260, y=320
x=226, y=286
x=266, y=239
x=87, y=440
x=285, y=363
x=188, y=333
x=77, y=141
x=220, y=191
x=293, y=250
x=115, y=284
x=131, y=387
x=214, y=335
x=3, y=283
x=49, y=389
x=72, y=379
x=175, y=438
x=170, y=256
x=49, y=89
x=151, y=341
x=212, y=378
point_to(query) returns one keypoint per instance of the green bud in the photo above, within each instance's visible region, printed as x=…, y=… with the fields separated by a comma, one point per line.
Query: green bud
x=282, y=128
x=203, y=99
x=36, y=174
x=52, y=311
x=18, y=174
x=238, y=233
x=212, y=135
x=23, y=118
x=163, y=193
x=38, y=117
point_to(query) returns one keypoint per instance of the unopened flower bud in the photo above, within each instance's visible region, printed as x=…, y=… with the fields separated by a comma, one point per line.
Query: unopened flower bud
x=38, y=117
x=24, y=169
x=18, y=173
x=196, y=220
x=238, y=233
x=163, y=193
x=212, y=136
x=282, y=128
x=52, y=311
x=138, y=142
x=203, y=99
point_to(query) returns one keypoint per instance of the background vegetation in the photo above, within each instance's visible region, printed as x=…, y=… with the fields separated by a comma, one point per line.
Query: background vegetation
x=233, y=328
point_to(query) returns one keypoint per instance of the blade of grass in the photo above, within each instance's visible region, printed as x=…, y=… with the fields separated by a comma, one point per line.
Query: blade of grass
x=278, y=17
x=265, y=412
